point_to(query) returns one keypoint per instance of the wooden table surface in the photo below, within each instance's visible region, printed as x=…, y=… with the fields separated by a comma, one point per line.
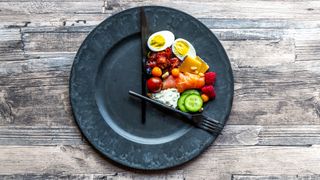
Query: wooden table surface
x=274, y=128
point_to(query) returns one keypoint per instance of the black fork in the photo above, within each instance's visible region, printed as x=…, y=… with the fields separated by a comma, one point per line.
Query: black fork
x=199, y=120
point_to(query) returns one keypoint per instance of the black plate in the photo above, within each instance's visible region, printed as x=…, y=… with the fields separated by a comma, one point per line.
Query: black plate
x=107, y=66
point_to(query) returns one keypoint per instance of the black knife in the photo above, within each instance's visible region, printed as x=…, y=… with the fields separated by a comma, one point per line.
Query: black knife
x=144, y=35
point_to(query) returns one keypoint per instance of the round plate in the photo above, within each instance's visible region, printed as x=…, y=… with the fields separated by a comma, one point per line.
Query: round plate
x=108, y=65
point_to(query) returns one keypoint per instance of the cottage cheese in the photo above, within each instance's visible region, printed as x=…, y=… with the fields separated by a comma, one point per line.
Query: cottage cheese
x=168, y=97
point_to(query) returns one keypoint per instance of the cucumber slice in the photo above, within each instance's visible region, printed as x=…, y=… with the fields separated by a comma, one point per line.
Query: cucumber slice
x=181, y=102
x=193, y=103
x=191, y=91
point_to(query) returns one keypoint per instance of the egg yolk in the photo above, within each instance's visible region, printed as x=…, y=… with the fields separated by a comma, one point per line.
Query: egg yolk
x=157, y=41
x=181, y=47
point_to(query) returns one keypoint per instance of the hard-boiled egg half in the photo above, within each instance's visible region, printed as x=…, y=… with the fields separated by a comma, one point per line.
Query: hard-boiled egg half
x=182, y=48
x=159, y=41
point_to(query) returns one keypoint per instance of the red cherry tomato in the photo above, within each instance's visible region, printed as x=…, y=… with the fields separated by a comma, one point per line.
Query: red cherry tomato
x=154, y=84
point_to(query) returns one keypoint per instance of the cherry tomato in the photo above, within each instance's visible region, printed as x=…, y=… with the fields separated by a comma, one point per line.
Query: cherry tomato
x=205, y=97
x=156, y=71
x=154, y=84
x=175, y=72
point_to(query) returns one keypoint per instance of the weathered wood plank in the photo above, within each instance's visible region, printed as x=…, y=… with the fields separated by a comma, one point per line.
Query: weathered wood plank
x=163, y=175
x=259, y=23
x=280, y=95
x=9, y=35
x=307, y=50
x=36, y=63
x=112, y=176
x=235, y=135
x=282, y=135
x=225, y=161
x=76, y=19
x=215, y=9
x=217, y=162
x=48, y=176
x=45, y=7
x=11, y=45
x=10, y=41
x=51, y=20
x=50, y=0
x=289, y=137
x=57, y=42
x=233, y=9
x=260, y=53
x=36, y=90
x=125, y=176
x=37, y=135
x=275, y=177
x=53, y=159
x=251, y=34
x=241, y=135
x=307, y=44
x=38, y=105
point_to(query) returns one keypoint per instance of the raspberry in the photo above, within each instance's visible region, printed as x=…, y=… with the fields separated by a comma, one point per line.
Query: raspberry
x=209, y=91
x=210, y=78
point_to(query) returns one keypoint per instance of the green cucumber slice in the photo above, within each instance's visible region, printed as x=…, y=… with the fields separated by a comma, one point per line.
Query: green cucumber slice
x=193, y=103
x=181, y=102
x=191, y=91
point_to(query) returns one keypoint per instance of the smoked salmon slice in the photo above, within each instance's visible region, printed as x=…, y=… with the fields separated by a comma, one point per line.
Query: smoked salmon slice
x=184, y=81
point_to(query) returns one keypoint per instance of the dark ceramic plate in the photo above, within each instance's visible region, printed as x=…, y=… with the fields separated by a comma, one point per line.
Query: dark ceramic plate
x=107, y=66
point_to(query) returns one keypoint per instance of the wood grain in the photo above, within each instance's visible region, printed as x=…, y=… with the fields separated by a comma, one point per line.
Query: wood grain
x=307, y=45
x=114, y=176
x=274, y=177
x=213, y=9
x=273, y=130
x=218, y=162
x=235, y=135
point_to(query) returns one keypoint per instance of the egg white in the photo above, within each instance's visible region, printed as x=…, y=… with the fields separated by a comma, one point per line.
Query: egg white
x=168, y=37
x=191, y=52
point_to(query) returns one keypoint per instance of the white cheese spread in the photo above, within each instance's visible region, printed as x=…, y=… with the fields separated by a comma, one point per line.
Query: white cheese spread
x=168, y=97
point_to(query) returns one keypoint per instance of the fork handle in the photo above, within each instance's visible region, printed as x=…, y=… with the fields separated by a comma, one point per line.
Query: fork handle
x=161, y=105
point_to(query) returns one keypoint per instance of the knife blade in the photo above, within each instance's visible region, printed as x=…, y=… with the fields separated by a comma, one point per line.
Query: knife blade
x=144, y=35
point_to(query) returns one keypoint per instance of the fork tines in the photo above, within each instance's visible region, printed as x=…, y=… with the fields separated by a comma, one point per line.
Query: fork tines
x=208, y=127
